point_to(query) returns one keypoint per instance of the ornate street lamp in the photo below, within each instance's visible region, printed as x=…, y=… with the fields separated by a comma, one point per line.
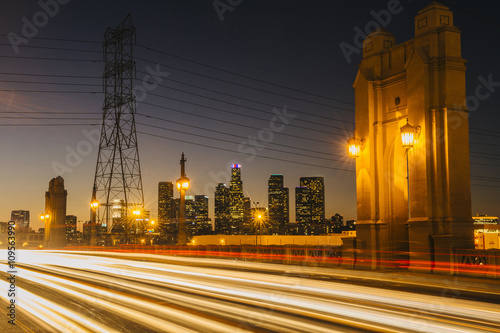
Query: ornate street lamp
x=409, y=134
x=94, y=204
x=182, y=186
x=136, y=213
x=355, y=146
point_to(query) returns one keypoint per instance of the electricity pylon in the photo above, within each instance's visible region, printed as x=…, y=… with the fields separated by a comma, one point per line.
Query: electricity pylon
x=118, y=182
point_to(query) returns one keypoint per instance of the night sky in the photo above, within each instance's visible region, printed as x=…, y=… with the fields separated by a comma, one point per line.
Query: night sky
x=222, y=82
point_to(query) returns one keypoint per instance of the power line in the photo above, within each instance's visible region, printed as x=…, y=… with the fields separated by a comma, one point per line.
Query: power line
x=484, y=164
x=15, y=125
x=483, y=143
x=482, y=130
x=489, y=157
x=234, y=135
x=485, y=177
x=232, y=142
x=53, y=91
x=207, y=97
x=63, y=39
x=185, y=59
x=232, y=123
x=54, y=48
x=56, y=59
x=485, y=180
x=53, y=75
x=248, y=116
x=52, y=83
x=50, y=112
x=241, y=75
x=184, y=91
x=243, y=85
x=478, y=185
x=484, y=134
x=257, y=156
x=242, y=98
x=51, y=118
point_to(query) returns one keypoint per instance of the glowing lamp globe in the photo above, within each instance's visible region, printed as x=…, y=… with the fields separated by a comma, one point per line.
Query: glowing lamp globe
x=407, y=135
x=354, y=147
x=183, y=184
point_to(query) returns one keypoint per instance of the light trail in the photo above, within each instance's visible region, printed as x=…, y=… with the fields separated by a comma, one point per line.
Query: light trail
x=182, y=297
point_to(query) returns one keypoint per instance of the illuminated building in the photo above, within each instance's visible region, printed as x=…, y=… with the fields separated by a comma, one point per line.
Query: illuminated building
x=222, y=214
x=118, y=213
x=413, y=201
x=278, y=203
x=485, y=219
x=201, y=207
x=21, y=218
x=486, y=232
x=236, y=206
x=245, y=224
x=165, y=198
x=55, y=214
x=316, y=197
x=70, y=223
x=310, y=204
x=202, y=224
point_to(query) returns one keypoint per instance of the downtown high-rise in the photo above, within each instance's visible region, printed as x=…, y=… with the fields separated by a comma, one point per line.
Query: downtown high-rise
x=202, y=225
x=222, y=213
x=165, y=198
x=237, y=205
x=278, y=203
x=21, y=218
x=166, y=212
x=310, y=203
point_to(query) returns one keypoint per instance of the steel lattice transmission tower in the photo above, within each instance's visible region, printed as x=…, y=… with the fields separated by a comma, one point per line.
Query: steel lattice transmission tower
x=117, y=182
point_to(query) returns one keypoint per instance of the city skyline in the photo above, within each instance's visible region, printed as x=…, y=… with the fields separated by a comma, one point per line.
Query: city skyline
x=291, y=109
x=345, y=152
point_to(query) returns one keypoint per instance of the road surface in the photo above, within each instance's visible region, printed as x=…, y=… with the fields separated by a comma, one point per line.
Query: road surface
x=86, y=292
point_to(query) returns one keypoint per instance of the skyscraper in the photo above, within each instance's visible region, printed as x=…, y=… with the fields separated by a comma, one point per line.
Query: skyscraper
x=203, y=225
x=21, y=218
x=165, y=197
x=70, y=223
x=222, y=214
x=278, y=203
x=245, y=224
x=310, y=203
x=236, y=207
x=201, y=207
x=302, y=205
x=55, y=208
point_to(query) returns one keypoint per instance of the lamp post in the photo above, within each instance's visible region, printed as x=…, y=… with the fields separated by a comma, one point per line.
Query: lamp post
x=94, y=204
x=151, y=231
x=257, y=217
x=259, y=220
x=136, y=214
x=182, y=186
x=409, y=134
x=46, y=219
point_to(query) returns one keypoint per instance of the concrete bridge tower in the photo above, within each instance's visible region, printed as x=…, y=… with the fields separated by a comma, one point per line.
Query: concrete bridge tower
x=55, y=208
x=413, y=203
